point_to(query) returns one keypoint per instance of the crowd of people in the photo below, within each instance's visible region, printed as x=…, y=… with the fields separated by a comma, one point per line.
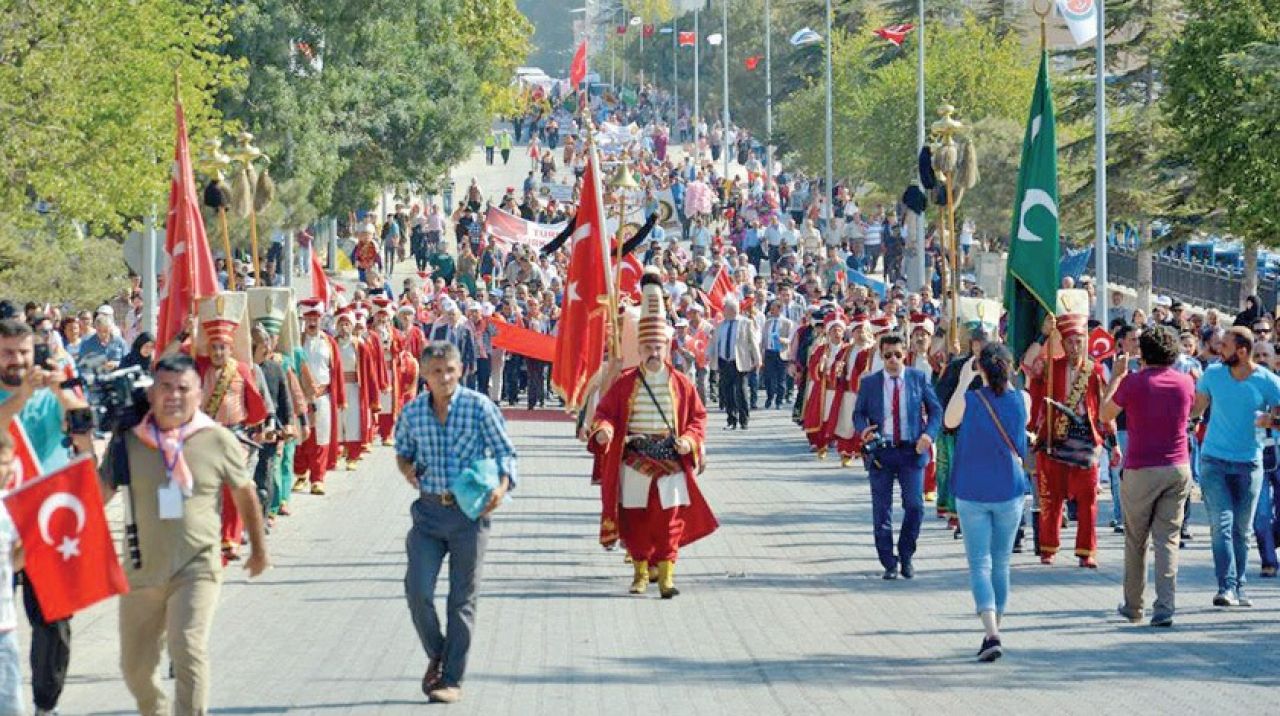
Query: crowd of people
x=751, y=285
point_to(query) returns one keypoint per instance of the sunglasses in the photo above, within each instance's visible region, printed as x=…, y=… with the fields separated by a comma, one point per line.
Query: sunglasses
x=893, y=354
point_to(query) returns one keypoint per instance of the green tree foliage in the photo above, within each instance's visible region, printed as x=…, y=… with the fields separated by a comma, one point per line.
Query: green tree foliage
x=1216, y=108
x=986, y=76
x=86, y=90
x=349, y=98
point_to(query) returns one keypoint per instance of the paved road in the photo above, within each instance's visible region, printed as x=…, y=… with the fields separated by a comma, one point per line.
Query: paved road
x=782, y=609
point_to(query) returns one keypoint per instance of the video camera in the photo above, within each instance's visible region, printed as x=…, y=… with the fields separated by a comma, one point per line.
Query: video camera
x=117, y=398
x=871, y=449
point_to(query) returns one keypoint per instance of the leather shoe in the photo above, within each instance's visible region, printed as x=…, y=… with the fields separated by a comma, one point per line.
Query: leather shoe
x=908, y=569
x=890, y=573
x=431, y=679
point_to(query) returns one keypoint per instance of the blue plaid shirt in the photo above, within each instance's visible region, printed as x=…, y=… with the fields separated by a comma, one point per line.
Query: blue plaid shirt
x=474, y=430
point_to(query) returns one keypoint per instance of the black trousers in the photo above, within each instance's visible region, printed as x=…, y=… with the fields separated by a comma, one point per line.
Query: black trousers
x=536, y=378
x=50, y=651
x=775, y=378
x=733, y=394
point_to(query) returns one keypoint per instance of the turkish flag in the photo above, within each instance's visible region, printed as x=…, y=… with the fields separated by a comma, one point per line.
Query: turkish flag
x=622, y=29
x=26, y=466
x=584, y=317
x=720, y=289
x=63, y=526
x=895, y=33
x=629, y=277
x=687, y=38
x=188, y=274
x=647, y=31
x=319, y=281
x=1101, y=344
x=752, y=62
x=523, y=341
x=578, y=68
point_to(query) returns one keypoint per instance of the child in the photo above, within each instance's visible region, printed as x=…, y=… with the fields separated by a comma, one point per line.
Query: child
x=10, y=561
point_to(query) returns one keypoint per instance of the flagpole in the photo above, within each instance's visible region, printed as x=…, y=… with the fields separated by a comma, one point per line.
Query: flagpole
x=830, y=174
x=724, y=54
x=1100, y=166
x=697, y=72
x=190, y=255
x=917, y=271
x=768, y=89
x=675, y=73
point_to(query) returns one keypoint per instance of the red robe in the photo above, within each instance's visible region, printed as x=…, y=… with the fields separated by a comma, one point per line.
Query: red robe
x=1058, y=481
x=310, y=457
x=849, y=446
x=391, y=373
x=414, y=343
x=614, y=411
x=373, y=378
x=255, y=411
x=835, y=382
x=815, y=386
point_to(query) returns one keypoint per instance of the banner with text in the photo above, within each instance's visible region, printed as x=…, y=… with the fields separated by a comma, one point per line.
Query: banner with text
x=502, y=226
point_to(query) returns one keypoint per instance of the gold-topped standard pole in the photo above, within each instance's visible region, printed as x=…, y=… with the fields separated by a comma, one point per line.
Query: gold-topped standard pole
x=215, y=163
x=946, y=160
x=246, y=154
x=621, y=182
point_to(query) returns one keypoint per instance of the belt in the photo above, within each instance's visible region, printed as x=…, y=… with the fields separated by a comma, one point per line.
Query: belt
x=903, y=444
x=351, y=376
x=438, y=498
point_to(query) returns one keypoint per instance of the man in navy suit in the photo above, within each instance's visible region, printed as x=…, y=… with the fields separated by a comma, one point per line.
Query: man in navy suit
x=899, y=404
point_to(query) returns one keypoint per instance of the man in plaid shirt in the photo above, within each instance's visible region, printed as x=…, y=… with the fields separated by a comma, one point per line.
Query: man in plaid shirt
x=439, y=434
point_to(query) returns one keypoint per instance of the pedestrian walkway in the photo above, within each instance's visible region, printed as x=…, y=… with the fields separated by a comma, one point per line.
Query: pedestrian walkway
x=781, y=611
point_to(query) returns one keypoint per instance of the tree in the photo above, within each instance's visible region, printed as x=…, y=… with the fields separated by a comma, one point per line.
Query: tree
x=87, y=91
x=985, y=76
x=1210, y=105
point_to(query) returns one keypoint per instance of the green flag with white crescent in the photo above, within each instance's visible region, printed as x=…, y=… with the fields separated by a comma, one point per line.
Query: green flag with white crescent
x=1031, y=286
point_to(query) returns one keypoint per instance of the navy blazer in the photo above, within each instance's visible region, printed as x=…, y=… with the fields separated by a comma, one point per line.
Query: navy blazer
x=919, y=396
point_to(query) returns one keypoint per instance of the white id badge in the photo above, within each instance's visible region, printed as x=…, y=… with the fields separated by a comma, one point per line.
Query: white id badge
x=170, y=501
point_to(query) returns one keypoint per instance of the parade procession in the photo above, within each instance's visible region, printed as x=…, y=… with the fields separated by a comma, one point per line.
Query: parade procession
x=706, y=356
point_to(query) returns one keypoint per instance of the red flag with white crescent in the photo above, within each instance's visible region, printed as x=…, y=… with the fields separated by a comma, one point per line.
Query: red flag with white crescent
x=687, y=38
x=188, y=273
x=1101, y=344
x=584, y=318
x=69, y=555
x=578, y=68
x=720, y=290
x=895, y=33
x=629, y=277
x=26, y=465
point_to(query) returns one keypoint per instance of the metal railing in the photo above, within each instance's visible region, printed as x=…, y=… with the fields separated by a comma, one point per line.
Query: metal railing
x=1192, y=282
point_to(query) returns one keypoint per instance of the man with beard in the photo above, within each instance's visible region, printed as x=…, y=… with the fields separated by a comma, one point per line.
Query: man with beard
x=648, y=432
x=358, y=386
x=34, y=407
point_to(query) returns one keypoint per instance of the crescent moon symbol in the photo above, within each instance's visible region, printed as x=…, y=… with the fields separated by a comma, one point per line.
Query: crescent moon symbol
x=55, y=502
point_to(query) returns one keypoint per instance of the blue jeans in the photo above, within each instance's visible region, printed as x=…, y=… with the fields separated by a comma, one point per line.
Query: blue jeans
x=1115, y=471
x=1230, y=492
x=1266, y=521
x=438, y=531
x=907, y=468
x=11, y=701
x=989, y=529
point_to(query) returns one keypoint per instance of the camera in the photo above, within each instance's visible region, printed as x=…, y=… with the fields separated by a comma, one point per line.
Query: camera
x=871, y=449
x=118, y=398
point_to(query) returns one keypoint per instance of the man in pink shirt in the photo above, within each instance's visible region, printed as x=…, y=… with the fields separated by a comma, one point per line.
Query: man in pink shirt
x=1157, y=470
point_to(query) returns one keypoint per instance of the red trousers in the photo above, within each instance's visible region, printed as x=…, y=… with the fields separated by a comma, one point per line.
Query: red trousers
x=849, y=447
x=312, y=461
x=353, y=451
x=386, y=426
x=232, y=524
x=651, y=534
x=1058, y=482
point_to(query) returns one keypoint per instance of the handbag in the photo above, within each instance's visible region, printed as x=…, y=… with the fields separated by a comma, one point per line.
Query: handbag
x=1007, y=440
x=664, y=448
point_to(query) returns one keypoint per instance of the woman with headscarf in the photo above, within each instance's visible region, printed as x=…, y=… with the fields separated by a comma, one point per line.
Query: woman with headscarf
x=143, y=350
x=1252, y=311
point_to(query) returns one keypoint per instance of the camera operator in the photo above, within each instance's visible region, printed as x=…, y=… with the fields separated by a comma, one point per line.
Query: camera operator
x=175, y=464
x=898, y=409
x=33, y=396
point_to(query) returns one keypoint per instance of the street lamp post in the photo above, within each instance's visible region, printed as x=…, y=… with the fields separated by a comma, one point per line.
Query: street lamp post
x=768, y=89
x=724, y=41
x=830, y=185
x=916, y=277
x=697, y=101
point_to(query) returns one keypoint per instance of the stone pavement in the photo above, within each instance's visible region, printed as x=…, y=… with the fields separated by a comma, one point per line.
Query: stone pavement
x=782, y=610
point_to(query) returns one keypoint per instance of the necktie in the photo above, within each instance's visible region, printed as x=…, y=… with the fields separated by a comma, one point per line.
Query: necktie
x=727, y=353
x=897, y=419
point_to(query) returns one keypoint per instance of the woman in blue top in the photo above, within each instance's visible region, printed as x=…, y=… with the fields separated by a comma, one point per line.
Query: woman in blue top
x=988, y=482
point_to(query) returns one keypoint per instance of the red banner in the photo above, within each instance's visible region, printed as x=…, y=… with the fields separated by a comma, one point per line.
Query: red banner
x=525, y=342
x=510, y=228
x=687, y=39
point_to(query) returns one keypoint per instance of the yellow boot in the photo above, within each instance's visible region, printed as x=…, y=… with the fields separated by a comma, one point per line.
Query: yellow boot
x=667, y=579
x=640, y=582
